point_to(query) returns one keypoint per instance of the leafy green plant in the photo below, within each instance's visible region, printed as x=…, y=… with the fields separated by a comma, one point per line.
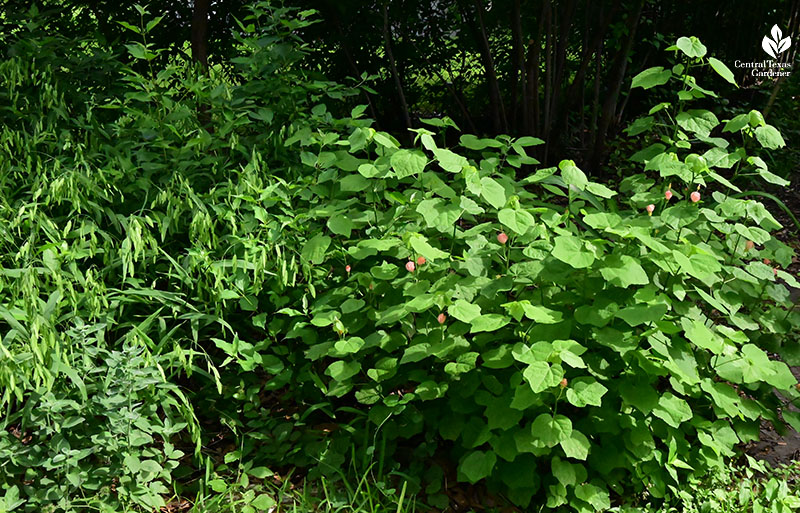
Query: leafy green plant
x=751, y=486
x=563, y=336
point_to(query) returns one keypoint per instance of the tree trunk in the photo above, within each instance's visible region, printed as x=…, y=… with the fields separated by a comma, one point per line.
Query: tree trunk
x=387, y=41
x=200, y=32
x=617, y=77
x=534, y=57
x=518, y=69
x=496, y=109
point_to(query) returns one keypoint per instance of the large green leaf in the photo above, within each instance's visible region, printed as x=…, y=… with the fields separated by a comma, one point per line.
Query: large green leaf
x=477, y=465
x=493, y=192
x=570, y=250
x=769, y=137
x=488, y=322
x=692, y=47
x=576, y=445
x=551, y=430
x=449, y=161
x=698, y=121
x=585, y=391
x=721, y=69
x=464, y=311
x=672, y=410
x=315, y=248
x=541, y=375
x=702, y=336
x=517, y=220
x=341, y=370
x=408, y=163
x=651, y=77
x=623, y=271
x=421, y=246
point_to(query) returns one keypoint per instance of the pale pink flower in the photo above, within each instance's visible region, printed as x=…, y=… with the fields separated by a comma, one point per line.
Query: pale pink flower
x=410, y=267
x=421, y=260
x=650, y=208
x=563, y=383
x=502, y=238
x=347, y=269
x=668, y=194
x=695, y=196
x=441, y=318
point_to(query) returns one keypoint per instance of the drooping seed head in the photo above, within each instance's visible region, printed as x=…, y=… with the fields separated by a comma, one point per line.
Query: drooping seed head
x=421, y=260
x=502, y=238
x=695, y=196
x=441, y=318
x=668, y=194
x=410, y=266
x=650, y=208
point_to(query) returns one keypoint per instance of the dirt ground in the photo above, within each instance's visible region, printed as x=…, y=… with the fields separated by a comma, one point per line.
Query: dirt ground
x=774, y=447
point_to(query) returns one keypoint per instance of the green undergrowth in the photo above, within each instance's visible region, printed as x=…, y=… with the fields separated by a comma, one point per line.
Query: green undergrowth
x=210, y=275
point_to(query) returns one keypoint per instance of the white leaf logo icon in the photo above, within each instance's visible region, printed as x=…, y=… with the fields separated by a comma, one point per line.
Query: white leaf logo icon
x=776, y=45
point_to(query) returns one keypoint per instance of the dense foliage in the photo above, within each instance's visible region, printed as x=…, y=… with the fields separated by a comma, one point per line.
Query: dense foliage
x=187, y=254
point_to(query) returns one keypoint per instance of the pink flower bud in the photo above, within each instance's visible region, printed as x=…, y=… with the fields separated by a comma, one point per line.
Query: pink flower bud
x=668, y=194
x=410, y=267
x=749, y=245
x=650, y=208
x=421, y=260
x=767, y=261
x=563, y=383
x=347, y=269
x=695, y=196
x=441, y=318
x=502, y=238
x=775, y=271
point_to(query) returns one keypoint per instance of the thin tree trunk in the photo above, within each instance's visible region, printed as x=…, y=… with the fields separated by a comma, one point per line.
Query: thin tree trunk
x=495, y=99
x=199, y=37
x=398, y=84
x=518, y=74
x=617, y=78
x=451, y=89
x=548, y=74
x=331, y=11
x=533, y=73
x=598, y=59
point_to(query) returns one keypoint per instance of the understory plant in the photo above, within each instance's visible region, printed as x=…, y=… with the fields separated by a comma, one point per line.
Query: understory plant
x=318, y=293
